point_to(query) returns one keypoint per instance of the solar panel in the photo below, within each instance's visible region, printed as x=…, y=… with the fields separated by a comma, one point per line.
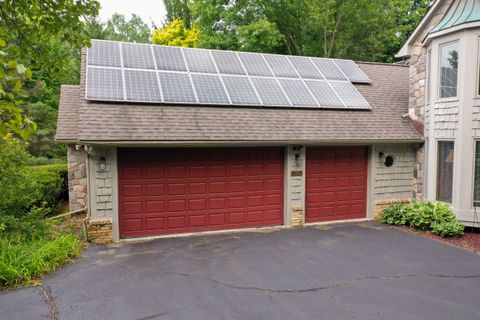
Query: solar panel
x=137, y=56
x=324, y=94
x=209, y=89
x=119, y=71
x=352, y=71
x=280, y=66
x=240, y=90
x=104, y=53
x=270, y=92
x=176, y=87
x=142, y=86
x=169, y=58
x=329, y=69
x=298, y=93
x=305, y=67
x=104, y=84
x=255, y=64
x=228, y=62
x=350, y=95
x=199, y=60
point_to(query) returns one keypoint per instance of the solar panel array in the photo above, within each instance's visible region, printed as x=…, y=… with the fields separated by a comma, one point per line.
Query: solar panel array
x=118, y=71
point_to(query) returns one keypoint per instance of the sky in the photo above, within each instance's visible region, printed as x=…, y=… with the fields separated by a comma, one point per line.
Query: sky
x=148, y=10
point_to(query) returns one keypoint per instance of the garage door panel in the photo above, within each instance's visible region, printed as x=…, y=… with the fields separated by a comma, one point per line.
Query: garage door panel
x=336, y=183
x=154, y=223
x=189, y=190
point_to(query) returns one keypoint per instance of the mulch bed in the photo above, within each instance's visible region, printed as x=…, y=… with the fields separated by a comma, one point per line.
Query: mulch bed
x=469, y=241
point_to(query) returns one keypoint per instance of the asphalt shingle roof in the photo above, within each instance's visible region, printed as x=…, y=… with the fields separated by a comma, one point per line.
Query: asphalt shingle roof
x=82, y=120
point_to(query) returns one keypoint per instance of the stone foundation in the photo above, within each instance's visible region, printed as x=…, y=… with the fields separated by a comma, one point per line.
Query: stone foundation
x=77, y=177
x=383, y=204
x=296, y=216
x=99, y=231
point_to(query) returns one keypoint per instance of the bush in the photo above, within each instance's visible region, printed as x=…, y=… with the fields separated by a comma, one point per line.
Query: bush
x=23, y=186
x=49, y=184
x=426, y=215
x=31, y=245
x=41, y=161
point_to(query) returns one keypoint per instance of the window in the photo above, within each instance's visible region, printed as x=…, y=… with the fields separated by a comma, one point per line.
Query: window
x=476, y=181
x=448, y=70
x=445, y=171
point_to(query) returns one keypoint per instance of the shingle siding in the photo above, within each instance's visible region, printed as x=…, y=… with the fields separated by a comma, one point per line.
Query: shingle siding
x=395, y=182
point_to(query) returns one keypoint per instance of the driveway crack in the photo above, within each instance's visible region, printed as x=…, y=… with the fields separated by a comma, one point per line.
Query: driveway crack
x=48, y=297
x=321, y=288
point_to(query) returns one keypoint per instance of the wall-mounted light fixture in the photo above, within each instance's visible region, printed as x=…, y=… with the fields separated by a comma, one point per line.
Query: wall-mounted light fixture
x=381, y=157
x=102, y=164
x=298, y=155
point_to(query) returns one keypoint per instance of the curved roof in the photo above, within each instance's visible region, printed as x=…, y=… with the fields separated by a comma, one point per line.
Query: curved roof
x=461, y=12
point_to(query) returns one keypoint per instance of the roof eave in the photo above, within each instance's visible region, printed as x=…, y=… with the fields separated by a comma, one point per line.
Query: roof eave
x=404, y=52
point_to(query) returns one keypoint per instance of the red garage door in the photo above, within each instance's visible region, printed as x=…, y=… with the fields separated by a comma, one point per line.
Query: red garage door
x=336, y=183
x=187, y=190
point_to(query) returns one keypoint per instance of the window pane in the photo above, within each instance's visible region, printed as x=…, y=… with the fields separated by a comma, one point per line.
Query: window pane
x=445, y=171
x=476, y=184
x=449, y=70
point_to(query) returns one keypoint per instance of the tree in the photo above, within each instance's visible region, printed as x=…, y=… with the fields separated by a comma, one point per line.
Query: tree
x=35, y=33
x=120, y=29
x=178, y=9
x=370, y=30
x=13, y=122
x=176, y=34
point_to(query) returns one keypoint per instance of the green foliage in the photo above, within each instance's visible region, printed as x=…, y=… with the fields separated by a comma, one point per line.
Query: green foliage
x=176, y=34
x=22, y=186
x=260, y=34
x=356, y=29
x=31, y=25
x=31, y=246
x=48, y=183
x=437, y=217
x=42, y=143
x=13, y=122
x=118, y=28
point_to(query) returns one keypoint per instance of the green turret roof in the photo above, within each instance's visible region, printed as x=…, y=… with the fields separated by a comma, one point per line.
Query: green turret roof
x=461, y=12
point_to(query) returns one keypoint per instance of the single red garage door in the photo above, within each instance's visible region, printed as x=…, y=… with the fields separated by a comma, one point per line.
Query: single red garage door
x=165, y=191
x=336, y=183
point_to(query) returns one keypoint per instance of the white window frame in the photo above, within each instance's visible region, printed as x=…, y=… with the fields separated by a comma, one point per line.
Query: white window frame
x=439, y=67
x=436, y=172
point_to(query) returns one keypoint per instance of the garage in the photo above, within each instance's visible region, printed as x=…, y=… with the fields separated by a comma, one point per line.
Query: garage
x=178, y=190
x=336, y=183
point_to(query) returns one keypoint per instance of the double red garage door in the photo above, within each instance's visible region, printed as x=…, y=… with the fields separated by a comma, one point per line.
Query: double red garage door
x=165, y=191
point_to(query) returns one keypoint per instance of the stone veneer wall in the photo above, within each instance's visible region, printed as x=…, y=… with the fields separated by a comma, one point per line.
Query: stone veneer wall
x=417, y=106
x=418, y=64
x=77, y=177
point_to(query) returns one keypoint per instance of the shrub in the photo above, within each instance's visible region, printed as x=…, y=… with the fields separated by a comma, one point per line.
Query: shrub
x=49, y=183
x=426, y=215
x=41, y=161
x=23, y=186
x=31, y=245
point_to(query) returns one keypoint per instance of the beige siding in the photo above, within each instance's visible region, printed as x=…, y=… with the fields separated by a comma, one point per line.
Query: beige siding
x=446, y=119
x=395, y=182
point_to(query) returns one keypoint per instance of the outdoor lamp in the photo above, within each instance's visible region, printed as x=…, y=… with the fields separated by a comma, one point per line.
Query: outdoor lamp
x=102, y=164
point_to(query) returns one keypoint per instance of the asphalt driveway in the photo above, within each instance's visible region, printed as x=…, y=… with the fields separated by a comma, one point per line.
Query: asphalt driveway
x=349, y=271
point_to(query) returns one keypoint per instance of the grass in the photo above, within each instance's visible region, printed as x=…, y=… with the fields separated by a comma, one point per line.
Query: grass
x=23, y=260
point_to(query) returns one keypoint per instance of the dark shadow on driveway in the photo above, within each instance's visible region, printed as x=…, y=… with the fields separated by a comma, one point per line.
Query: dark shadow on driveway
x=348, y=271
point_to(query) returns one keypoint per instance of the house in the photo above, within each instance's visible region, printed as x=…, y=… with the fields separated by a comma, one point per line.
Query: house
x=166, y=140
x=443, y=54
